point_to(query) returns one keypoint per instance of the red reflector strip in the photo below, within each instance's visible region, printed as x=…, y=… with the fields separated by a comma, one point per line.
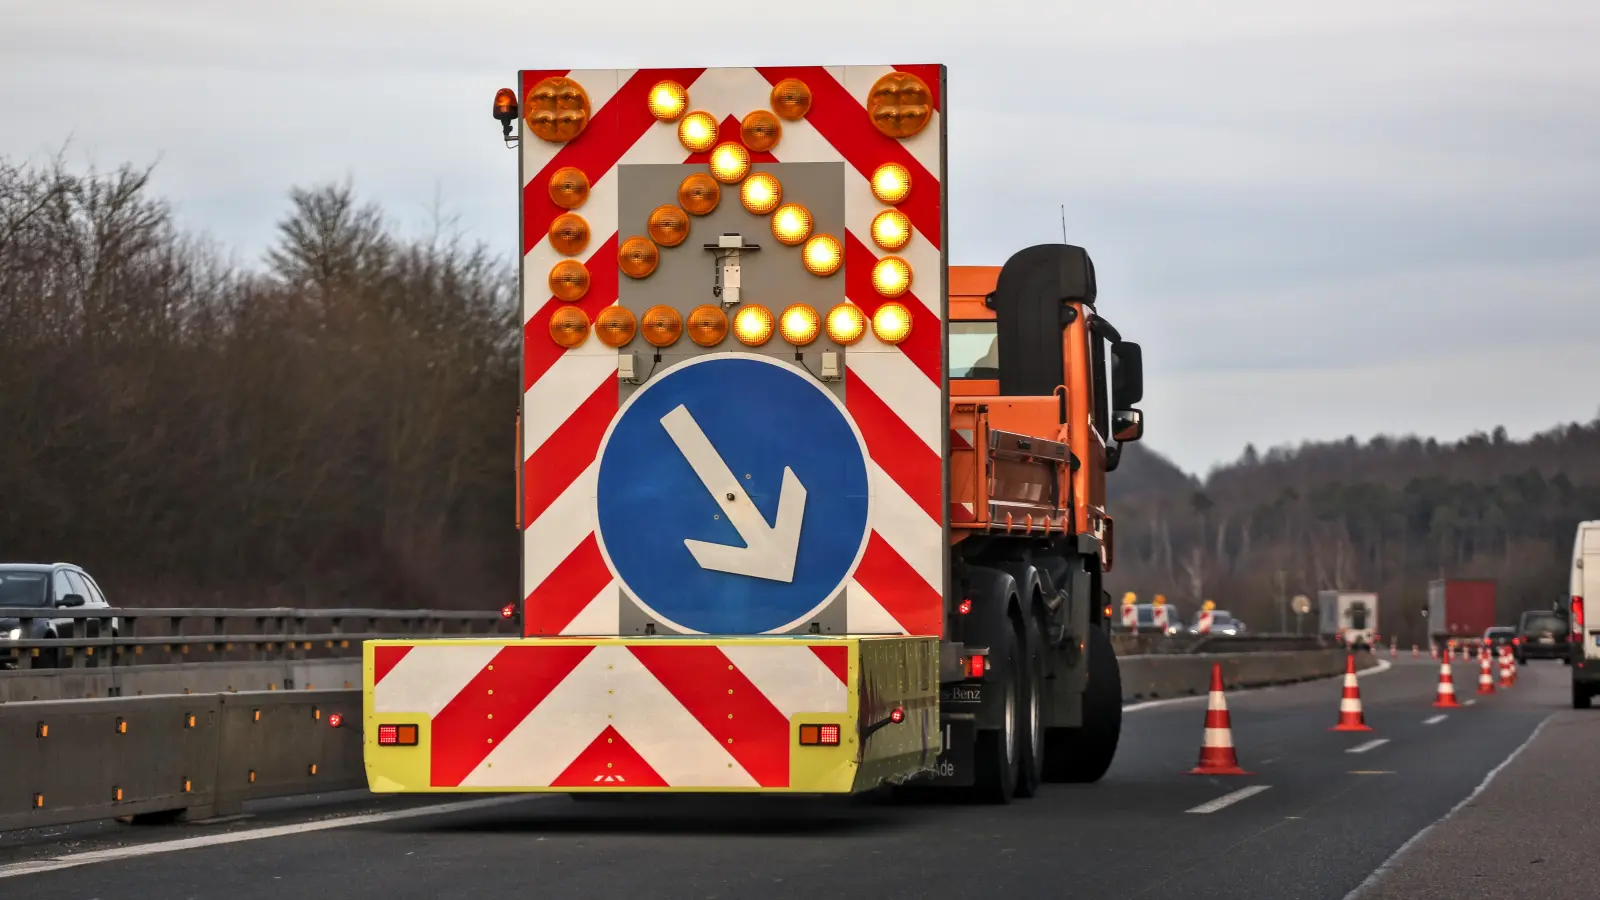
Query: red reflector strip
x=397, y=735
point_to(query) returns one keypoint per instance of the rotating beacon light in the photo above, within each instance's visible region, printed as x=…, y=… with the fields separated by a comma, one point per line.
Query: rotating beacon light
x=726, y=252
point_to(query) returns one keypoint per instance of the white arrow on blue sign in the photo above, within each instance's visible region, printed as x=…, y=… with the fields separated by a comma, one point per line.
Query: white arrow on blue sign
x=732, y=495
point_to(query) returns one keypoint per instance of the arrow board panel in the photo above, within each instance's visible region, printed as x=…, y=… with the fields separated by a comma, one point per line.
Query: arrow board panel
x=732, y=496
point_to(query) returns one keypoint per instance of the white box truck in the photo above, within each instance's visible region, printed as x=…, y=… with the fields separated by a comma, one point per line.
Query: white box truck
x=1352, y=615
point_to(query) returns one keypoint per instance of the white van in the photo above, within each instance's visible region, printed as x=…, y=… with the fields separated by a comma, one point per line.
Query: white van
x=1585, y=592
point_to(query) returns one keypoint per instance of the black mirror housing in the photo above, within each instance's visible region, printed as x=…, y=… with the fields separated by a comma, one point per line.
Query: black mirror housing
x=71, y=600
x=1127, y=426
x=1127, y=374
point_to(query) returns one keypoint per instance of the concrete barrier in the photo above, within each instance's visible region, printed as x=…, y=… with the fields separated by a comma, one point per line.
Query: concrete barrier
x=186, y=678
x=1163, y=676
x=190, y=756
x=199, y=756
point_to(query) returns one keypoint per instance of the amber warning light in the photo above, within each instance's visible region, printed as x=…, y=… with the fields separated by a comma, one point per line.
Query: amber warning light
x=505, y=111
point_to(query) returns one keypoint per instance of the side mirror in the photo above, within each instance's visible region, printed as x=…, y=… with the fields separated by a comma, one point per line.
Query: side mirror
x=71, y=600
x=1127, y=425
x=1127, y=374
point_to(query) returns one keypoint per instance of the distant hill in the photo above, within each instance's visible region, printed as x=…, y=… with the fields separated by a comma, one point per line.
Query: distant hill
x=1385, y=515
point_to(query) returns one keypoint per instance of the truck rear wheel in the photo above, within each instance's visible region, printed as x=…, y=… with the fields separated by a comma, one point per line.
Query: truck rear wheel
x=1084, y=754
x=1580, y=696
x=1031, y=715
x=998, y=754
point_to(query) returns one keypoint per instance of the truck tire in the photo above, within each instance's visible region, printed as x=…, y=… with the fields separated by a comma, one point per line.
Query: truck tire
x=1082, y=755
x=1580, y=696
x=998, y=753
x=1031, y=716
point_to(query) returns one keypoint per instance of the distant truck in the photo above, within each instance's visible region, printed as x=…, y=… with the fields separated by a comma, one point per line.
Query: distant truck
x=1349, y=615
x=1460, y=610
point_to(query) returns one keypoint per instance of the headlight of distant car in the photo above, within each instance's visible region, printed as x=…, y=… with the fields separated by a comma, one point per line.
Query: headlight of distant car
x=14, y=634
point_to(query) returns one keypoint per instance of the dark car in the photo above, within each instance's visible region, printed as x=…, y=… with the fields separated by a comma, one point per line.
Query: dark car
x=1499, y=636
x=1542, y=634
x=46, y=586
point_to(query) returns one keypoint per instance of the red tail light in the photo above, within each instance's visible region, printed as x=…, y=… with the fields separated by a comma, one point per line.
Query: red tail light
x=397, y=735
x=819, y=735
x=1576, y=634
x=965, y=607
x=507, y=611
x=898, y=716
x=975, y=666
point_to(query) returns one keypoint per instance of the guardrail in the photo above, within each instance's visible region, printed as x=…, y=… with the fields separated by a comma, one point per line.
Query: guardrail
x=84, y=638
x=202, y=756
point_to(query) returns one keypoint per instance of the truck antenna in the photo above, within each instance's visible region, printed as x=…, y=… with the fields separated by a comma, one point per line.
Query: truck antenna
x=1063, y=223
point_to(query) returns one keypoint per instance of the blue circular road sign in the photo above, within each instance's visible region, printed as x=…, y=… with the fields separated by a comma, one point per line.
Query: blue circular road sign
x=732, y=495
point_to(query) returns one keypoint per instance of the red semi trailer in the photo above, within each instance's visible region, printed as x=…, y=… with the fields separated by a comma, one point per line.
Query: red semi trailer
x=1460, y=610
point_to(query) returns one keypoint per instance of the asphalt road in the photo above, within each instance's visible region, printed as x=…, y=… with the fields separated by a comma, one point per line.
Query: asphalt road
x=1326, y=820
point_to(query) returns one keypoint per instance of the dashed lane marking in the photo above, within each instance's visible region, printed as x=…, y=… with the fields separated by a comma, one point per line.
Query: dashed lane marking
x=1227, y=800
x=1369, y=745
x=1434, y=720
x=1388, y=864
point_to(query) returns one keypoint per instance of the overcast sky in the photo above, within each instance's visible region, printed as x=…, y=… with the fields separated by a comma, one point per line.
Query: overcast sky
x=1319, y=218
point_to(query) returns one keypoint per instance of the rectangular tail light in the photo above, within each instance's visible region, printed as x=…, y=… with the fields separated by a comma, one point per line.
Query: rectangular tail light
x=819, y=735
x=397, y=735
x=977, y=664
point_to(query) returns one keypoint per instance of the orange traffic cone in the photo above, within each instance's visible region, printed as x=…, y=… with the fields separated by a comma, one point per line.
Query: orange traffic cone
x=1414, y=653
x=1446, y=697
x=1485, y=677
x=1216, y=747
x=1350, y=718
x=1508, y=672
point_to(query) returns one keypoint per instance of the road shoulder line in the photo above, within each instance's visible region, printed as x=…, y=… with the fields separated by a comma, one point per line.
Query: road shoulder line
x=1394, y=859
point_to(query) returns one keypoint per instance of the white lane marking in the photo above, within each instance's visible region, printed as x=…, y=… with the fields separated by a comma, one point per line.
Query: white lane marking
x=1382, y=666
x=1388, y=864
x=1434, y=720
x=34, y=867
x=1469, y=702
x=1369, y=745
x=1227, y=800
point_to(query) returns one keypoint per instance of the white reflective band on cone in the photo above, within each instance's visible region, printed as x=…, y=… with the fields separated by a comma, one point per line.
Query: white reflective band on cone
x=1216, y=737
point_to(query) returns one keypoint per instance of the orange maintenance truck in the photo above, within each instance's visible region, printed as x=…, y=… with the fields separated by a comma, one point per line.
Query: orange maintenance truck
x=804, y=509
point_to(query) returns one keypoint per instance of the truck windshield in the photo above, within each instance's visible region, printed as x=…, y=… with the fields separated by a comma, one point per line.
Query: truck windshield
x=24, y=589
x=974, y=350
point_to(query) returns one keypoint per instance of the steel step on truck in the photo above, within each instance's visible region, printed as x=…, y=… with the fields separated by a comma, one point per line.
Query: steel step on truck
x=804, y=509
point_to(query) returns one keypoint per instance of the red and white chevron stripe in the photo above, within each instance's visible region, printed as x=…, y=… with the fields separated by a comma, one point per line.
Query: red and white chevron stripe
x=894, y=393
x=662, y=714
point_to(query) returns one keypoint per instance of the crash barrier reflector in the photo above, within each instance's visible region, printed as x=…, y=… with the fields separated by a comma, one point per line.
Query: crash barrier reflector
x=196, y=756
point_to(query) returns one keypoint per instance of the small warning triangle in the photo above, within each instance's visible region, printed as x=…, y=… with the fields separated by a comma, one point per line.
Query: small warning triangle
x=609, y=760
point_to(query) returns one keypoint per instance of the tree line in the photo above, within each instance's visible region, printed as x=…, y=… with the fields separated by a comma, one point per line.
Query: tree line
x=1387, y=515
x=332, y=425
